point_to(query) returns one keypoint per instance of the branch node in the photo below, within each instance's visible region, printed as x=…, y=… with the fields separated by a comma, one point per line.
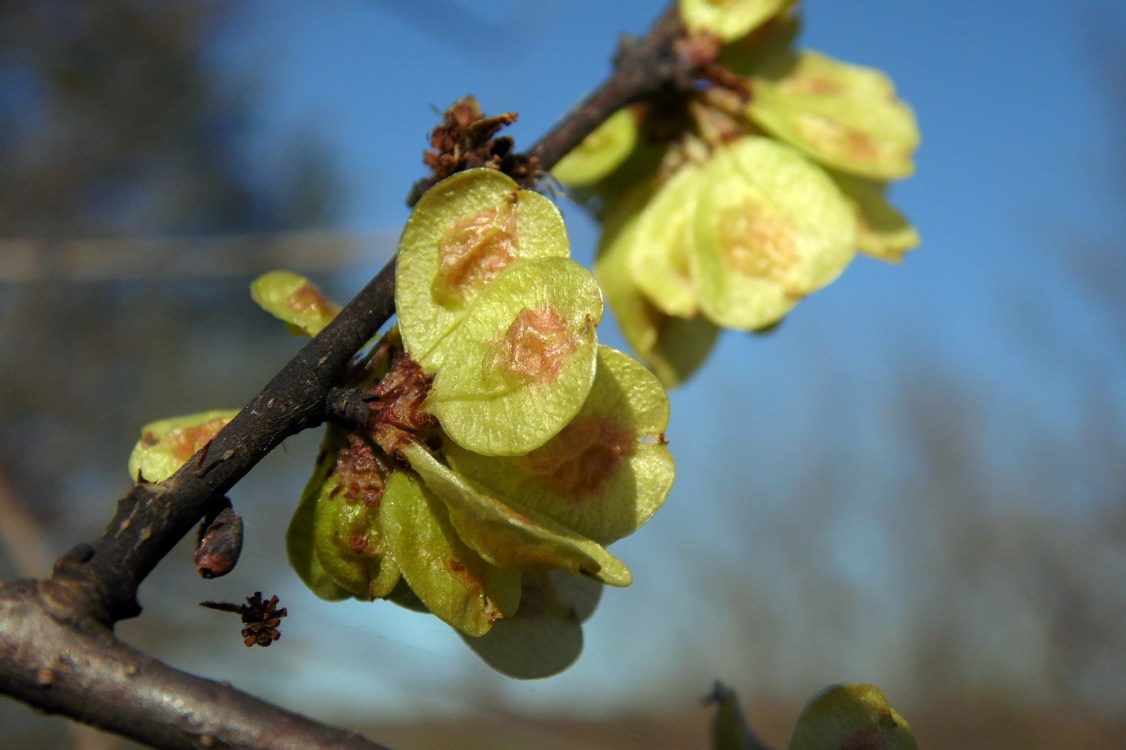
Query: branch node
x=347, y=407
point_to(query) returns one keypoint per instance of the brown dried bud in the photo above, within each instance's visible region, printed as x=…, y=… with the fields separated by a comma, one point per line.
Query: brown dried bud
x=219, y=543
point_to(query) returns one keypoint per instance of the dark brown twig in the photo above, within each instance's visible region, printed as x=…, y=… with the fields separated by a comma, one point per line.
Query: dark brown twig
x=642, y=69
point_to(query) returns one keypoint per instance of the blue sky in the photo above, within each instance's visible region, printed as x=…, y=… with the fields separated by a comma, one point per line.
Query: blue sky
x=1016, y=162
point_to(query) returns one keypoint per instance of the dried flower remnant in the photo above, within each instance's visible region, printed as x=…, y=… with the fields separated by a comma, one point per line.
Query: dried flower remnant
x=261, y=618
x=360, y=471
x=467, y=139
x=396, y=404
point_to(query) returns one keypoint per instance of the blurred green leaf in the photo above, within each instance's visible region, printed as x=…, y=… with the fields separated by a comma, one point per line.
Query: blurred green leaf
x=845, y=116
x=295, y=300
x=167, y=444
x=662, y=255
x=729, y=727
x=771, y=228
x=545, y=636
x=673, y=347
x=600, y=153
x=728, y=19
x=882, y=231
x=853, y=716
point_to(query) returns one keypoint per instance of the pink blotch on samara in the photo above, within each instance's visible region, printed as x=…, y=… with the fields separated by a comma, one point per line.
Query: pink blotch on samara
x=534, y=348
x=307, y=298
x=475, y=250
x=583, y=458
x=183, y=442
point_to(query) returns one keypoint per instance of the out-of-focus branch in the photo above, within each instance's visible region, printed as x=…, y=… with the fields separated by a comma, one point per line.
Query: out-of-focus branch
x=83, y=261
x=57, y=649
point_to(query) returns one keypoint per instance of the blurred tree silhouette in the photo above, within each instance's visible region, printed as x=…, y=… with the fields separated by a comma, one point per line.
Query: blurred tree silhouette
x=116, y=122
x=113, y=123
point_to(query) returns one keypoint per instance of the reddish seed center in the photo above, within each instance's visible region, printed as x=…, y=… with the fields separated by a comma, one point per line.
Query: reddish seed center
x=183, y=442
x=583, y=458
x=307, y=298
x=838, y=138
x=534, y=348
x=758, y=244
x=474, y=251
x=813, y=84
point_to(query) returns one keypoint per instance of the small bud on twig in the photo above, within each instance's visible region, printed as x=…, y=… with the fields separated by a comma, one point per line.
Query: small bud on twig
x=220, y=541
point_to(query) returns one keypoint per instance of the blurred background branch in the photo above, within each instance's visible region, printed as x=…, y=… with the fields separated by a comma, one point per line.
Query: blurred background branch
x=140, y=259
x=21, y=535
